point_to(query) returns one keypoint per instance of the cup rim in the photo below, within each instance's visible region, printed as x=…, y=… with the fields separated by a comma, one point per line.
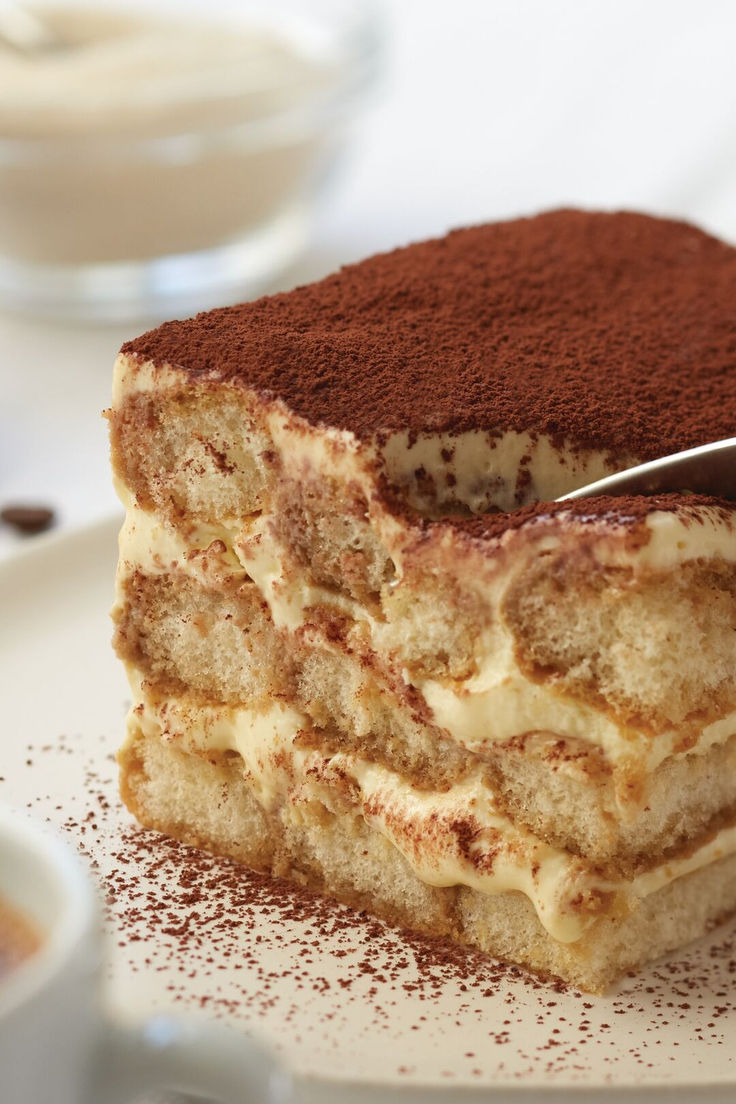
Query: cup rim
x=73, y=922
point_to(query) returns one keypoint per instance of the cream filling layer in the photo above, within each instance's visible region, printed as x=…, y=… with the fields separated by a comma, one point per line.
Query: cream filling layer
x=436, y=473
x=496, y=704
x=453, y=838
x=499, y=703
x=486, y=470
x=477, y=469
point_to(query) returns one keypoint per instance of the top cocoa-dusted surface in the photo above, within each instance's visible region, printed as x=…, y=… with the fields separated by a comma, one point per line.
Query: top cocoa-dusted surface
x=616, y=332
x=627, y=511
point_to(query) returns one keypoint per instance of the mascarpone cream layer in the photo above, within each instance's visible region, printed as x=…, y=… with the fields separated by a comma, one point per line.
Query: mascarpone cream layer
x=435, y=473
x=496, y=704
x=454, y=838
x=479, y=470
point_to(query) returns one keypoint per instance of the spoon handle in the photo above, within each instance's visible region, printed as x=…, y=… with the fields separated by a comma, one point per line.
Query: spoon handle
x=708, y=469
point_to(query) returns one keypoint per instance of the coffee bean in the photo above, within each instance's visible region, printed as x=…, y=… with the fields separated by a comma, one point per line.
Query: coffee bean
x=28, y=519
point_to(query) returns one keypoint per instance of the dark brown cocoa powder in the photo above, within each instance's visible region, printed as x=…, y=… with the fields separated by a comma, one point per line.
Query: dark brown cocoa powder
x=208, y=930
x=611, y=331
x=625, y=511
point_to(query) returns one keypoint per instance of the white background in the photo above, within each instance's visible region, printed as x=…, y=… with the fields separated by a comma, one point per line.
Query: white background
x=486, y=109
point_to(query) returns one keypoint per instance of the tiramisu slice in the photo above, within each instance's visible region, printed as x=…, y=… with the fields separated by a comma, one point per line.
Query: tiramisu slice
x=368, y=654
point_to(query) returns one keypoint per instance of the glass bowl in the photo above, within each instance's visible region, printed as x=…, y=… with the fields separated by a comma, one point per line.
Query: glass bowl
x=163, y=163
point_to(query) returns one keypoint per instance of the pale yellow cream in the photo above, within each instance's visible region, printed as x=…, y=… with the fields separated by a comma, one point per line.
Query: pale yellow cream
x=497, y=703
x=475, y=469
x=420, y=824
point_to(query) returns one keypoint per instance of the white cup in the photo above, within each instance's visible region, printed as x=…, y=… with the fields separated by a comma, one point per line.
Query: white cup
x=56, y=1044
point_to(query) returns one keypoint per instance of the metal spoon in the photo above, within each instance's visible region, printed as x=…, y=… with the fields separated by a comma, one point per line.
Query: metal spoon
x=707, y=469
x=23, y=30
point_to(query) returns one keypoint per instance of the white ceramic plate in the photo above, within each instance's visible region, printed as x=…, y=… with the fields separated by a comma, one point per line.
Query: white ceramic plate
x=342, y=998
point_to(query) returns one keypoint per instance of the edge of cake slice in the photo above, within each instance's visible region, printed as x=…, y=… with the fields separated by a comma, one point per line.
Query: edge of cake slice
x=353, y=667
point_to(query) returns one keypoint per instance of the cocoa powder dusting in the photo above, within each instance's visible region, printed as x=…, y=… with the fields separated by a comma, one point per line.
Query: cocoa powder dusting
x=626, y=511
x=201, y=933
x=615, y=332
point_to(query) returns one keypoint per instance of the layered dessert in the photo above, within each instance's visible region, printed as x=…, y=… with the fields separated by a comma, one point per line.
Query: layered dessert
x=370, y=653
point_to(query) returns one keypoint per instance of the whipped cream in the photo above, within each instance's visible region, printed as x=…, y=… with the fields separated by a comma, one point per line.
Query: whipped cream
x=145, y=136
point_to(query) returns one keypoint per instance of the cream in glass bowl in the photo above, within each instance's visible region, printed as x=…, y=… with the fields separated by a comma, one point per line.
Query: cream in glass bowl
x=166, y=158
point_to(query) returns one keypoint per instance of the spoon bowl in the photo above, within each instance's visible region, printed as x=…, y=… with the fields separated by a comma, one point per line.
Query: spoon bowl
x=708, y=469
